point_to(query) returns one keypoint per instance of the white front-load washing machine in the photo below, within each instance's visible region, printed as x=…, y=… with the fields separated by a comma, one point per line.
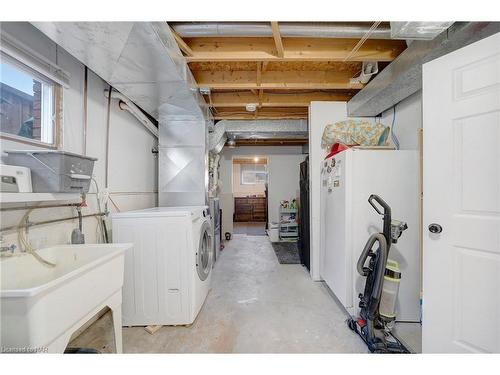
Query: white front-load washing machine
x=168, y=270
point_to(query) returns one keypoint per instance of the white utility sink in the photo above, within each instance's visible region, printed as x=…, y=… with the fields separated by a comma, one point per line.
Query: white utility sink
x=41, y=307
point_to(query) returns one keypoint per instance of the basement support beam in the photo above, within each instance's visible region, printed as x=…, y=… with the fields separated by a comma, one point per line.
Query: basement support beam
x=273, y=79
x=294, y=49
x=277, y=40
x=238, y=99
x=403, y=77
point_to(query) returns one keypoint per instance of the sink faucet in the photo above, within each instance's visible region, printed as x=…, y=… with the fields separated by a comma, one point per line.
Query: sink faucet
x=4, y=249
x=10, y=248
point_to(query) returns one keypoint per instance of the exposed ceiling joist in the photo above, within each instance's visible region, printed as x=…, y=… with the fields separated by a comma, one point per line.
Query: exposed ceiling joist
x=271, y=142
x=277, y=39
x=275, y=113
x=295, y=49
x=258, y=80
x=282, y=73
x=182, y=44
x=240, y=99
x=295, y=80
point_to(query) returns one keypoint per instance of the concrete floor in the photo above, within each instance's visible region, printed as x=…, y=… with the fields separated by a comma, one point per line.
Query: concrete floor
x=255, y=305
x=410, y=334
x=250, y=228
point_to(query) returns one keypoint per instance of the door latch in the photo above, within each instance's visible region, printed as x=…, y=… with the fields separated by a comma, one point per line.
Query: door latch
x=435, y=228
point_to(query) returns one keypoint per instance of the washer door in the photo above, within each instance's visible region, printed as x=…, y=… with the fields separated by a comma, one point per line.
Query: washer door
x=204, y=253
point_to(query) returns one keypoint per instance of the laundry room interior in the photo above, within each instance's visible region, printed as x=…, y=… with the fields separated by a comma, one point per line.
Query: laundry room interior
x=250, y=186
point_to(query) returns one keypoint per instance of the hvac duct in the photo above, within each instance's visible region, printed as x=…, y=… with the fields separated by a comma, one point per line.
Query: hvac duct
x=255, y=129
x=143, y=62
x=287, y=29
x=403, y=77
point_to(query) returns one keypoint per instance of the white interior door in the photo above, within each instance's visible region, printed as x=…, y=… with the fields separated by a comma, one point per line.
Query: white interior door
x=461, y=269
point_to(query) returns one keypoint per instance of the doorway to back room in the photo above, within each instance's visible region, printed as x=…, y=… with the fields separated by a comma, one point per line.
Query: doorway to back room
x=250, y=192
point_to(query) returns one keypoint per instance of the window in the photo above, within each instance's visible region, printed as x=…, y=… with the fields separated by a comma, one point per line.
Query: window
x=253, y=174
x=27, y=103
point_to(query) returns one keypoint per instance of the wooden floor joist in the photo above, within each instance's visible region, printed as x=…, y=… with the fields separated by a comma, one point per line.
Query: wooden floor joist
x=271, y=142
x=295, y=49
x=273, y=113
x=280, y=75
x=295, y=80
x=264, y=99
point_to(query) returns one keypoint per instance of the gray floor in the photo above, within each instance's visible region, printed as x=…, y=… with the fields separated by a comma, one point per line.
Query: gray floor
x=410, y=334
x=250, y=228
x=256, y=305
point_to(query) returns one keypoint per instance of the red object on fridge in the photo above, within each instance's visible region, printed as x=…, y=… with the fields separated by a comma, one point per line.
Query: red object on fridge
x=336, y=148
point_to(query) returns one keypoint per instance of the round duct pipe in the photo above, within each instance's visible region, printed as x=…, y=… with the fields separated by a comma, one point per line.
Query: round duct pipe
x=287, y=29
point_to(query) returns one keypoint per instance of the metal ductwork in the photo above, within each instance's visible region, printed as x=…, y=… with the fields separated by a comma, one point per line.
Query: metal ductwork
x=255, y=129
x=143, y=62
x=287, y=29
x=403, y=77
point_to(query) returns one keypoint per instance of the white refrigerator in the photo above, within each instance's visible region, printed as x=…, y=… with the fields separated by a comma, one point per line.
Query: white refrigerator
x=347, y=180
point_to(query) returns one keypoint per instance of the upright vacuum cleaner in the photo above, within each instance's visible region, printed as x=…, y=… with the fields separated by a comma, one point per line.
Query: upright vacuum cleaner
x=378, y=301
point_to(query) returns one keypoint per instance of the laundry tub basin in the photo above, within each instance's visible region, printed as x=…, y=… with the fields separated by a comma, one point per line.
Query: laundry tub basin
x=41, y=307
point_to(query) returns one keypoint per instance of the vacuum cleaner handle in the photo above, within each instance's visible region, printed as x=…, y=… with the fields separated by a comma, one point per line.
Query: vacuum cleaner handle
x=381, y=202
x=387, y=218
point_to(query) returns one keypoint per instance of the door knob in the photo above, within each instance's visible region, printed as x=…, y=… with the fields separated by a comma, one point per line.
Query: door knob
x=435, y=228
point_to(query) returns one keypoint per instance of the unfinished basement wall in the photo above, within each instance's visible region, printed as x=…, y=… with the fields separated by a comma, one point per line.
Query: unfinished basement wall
x=132, y=168
x=408, y=121
x=287, y=157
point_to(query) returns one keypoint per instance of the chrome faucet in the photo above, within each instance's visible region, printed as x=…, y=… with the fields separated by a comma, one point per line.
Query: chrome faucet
x=10, y=248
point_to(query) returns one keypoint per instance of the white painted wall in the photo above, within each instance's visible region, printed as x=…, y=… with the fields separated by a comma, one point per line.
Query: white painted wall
x=408, y=121
x=132, y=167
x=226, y=192
x=284, y=175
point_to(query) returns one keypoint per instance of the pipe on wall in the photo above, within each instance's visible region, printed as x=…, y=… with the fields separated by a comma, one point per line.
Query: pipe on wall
x=127, y=105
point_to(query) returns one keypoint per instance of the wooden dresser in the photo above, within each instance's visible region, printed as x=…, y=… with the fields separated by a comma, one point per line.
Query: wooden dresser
x=250, y=209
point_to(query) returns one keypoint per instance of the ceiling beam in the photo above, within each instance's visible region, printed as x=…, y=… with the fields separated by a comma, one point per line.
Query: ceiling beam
x=294, y=49
x=266, y=100
x=259, y=73
x=277, y=39
x=182, y=44
x=295, y=80
x=224, y=113
x=271, y=142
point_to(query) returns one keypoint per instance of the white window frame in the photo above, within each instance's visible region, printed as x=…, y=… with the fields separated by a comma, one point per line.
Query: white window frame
x=243, y=172
x=51, y=112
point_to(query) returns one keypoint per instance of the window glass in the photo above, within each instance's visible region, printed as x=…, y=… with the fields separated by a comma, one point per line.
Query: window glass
x=253, y=174
x=26, y=103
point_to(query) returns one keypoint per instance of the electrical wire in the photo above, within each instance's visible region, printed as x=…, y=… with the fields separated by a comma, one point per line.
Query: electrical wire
x=100, y=226
x=393, y=135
